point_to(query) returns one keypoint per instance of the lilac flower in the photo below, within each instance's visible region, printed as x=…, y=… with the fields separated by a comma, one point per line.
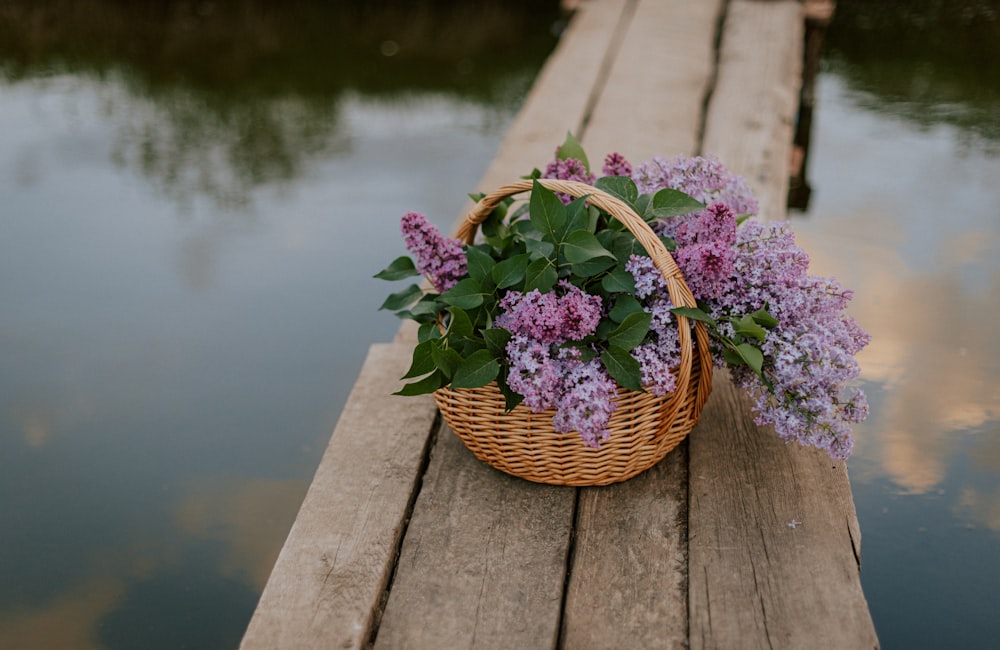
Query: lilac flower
x=616, y=165
x=533, y=373
x=568, y=314
x=587, y=402
x=441, y=259
x=704, y=178
x=567, y=169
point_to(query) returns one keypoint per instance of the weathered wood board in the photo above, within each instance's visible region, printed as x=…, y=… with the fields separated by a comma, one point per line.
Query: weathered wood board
x=653, y=101
x=484, y=559
x=774, y=541
x=327, y=585
x=698, y=551
x=628, y=586
x=751, y=116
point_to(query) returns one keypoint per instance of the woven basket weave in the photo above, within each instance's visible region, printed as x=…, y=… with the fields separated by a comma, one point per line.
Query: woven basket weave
x=644, y=427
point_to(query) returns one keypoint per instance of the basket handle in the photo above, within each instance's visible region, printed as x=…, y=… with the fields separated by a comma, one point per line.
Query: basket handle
x=680, y=294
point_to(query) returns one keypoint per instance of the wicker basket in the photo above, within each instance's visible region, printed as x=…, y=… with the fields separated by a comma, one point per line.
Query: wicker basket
x=644, y=428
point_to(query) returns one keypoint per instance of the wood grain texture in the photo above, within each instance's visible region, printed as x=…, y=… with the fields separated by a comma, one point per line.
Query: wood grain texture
x=564, y=90
x=628, y=586
x=751, y=115
x=628, y=578
x=774, y=540
x=774, y=537
x=653, y=99
x=330, y=576
x=483, y=562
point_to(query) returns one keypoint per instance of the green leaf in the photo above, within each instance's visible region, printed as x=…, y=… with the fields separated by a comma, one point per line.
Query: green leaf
x=479, y=263
x=672, y=203
x=743, y=217
x=618, y=281
x=621, y=186
x=582, y=246
x=547, y=212
x=761, y=317
x=643, y=207
x=460, y=323
x=751, y=356
x=401, y=268
x=693, y=313
x=572, y=148
x=746, y=326
x=538, y=249
x=632, y=331
x=590, y=268
x=578, y=216
x=624, y=305
x=622, y=367
x=428, y=384
x=467, y=294
x=428, y=331
x=445, y=360
x=511, y=271
x=477, y=370
x=422, y=362
x=496, y=340
x=403, y=298
x=542, y=275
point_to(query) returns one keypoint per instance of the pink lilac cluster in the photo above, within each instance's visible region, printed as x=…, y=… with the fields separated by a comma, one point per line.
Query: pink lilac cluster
x=704, y=178
x=569, y=314
x=568, y=169
x=441, y=259
x=552, y=377
x=616, y=165
x=705, y=251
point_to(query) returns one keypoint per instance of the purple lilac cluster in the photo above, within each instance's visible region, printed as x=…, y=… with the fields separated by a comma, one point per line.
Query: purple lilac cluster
x=809, y=356
x=616, y=165
x=567, y=169
x=660, y=352
x=441, y=259
x=549, y=376
x=704, y=178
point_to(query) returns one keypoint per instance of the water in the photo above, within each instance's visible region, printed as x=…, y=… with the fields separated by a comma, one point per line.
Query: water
x=186, y=261
x=188, y=234
x=905, y=163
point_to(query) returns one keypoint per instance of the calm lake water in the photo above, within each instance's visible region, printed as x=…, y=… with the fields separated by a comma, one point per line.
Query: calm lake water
x=186, y=251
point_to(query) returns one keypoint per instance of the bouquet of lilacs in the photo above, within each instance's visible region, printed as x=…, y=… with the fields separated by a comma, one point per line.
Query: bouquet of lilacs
x=560, y=306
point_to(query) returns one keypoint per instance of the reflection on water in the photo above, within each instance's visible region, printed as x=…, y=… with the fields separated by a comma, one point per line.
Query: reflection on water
x=194, y=203
x=906, y=214
x=928, y=61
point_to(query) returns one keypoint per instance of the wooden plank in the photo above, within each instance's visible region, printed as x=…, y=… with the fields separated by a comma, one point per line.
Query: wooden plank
x=628, y=578
x=652, y=103
x=751, y=115
x=774, y=541
x=563, y=93
x=483, y=562
x=628, y=586
x=774, y=538
x=327, y=584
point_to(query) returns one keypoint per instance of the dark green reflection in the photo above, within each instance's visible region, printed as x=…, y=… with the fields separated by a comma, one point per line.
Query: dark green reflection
x=224, y=96
x=929, y=61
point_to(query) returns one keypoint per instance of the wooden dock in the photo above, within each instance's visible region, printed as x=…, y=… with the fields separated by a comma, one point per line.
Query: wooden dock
x=735, y=540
